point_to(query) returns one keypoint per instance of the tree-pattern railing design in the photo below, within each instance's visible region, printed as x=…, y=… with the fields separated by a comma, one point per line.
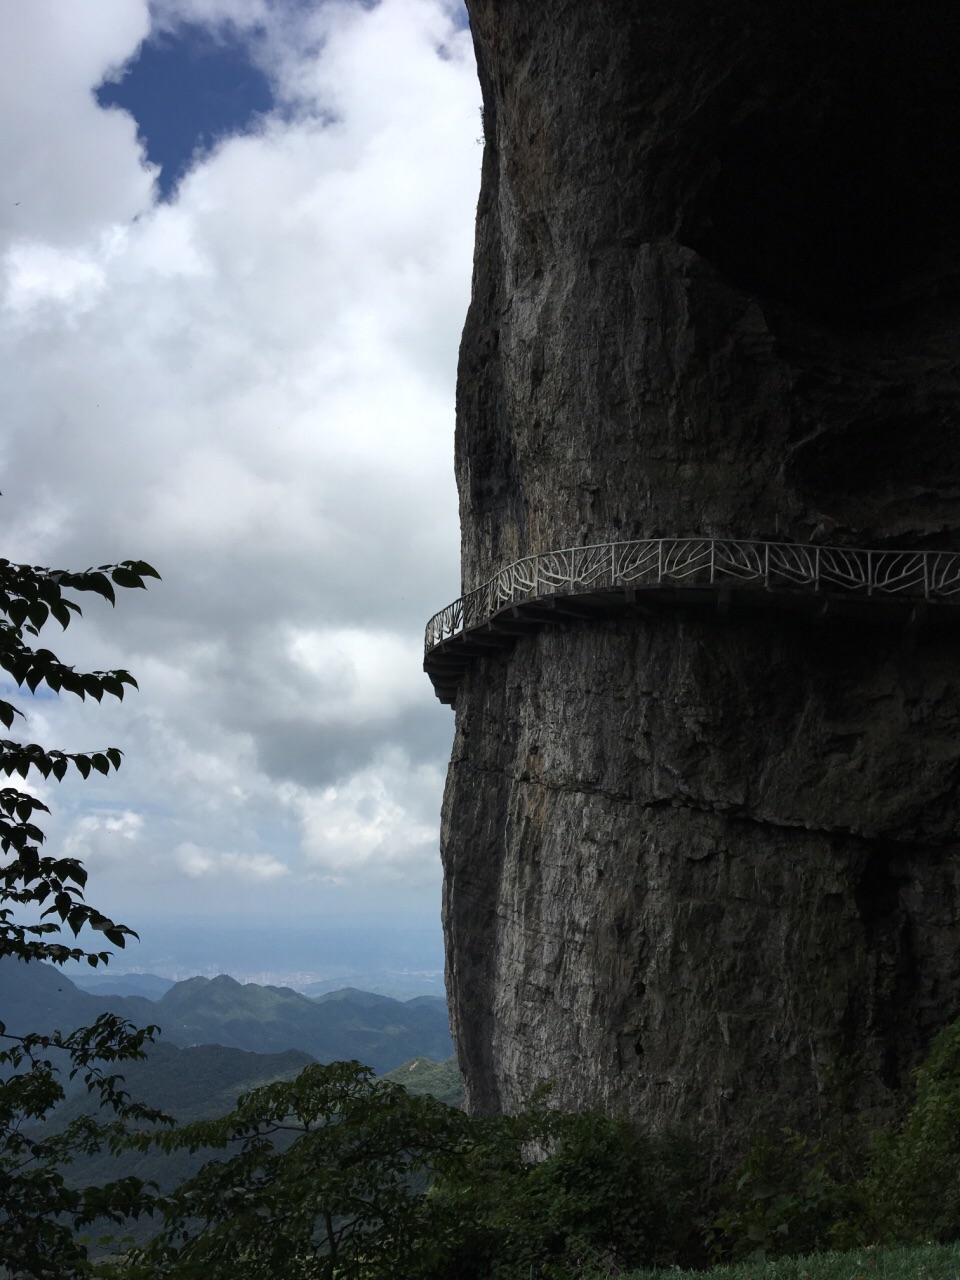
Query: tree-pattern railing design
x=702, y=562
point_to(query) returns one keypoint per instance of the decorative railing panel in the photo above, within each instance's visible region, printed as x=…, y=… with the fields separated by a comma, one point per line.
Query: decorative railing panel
x=944, y=574
x=651, y=563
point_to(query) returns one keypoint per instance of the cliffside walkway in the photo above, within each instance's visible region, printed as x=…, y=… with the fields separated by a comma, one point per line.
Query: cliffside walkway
x=585, y=582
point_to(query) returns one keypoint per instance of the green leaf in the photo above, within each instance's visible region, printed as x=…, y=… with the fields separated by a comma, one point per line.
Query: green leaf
x=142, y=568
x=61, y=612
x=7, y=713
x=38, y=614
x=110, y=684
x=94, y=580
x=34, y=678
x=16, y=611
x=91, y=685
x=72, y=682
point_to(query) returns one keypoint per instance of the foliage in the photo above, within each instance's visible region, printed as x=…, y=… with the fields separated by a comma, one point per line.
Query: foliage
x=782, y=1198
x=913, y=1184
x=189, y=1084
x=601, y=1189
x=318, y=1184
x=847, y=1187
x=29, y=599
x=322, y=1177
x=39, y=1213
x=869, y=1262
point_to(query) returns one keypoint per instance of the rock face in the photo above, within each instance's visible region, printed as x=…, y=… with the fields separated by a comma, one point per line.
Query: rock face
x=690, y=860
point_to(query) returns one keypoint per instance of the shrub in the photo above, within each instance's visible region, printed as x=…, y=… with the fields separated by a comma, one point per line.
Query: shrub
x=604, y=1191
x=913, y=1184
x=782, y=1199
x=841, y=1189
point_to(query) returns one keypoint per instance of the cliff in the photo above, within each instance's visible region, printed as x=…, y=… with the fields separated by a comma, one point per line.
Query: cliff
x=690, y=859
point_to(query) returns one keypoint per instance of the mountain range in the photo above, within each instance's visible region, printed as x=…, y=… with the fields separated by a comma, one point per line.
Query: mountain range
x=349, y=1024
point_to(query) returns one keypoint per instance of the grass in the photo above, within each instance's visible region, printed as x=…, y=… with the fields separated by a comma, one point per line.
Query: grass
x=929, y=1262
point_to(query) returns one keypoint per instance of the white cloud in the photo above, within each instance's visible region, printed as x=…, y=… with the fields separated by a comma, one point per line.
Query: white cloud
x=252, y=867
x=376, y=822
x=244, y=14
x=252, y=387
x=69, y=169
x=193, y=861
x=355, y=674
x=103, y=836
x=39, y=273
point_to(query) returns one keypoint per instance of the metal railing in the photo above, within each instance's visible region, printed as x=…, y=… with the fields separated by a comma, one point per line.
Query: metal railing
x=701, y=562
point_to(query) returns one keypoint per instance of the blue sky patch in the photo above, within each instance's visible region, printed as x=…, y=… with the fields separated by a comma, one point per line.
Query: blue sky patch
x=186, y=90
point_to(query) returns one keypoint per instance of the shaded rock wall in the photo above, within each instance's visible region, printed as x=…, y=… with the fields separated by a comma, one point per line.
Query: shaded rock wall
x=689, y=860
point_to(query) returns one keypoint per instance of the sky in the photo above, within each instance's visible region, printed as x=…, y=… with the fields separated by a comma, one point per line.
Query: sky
x=235, y=251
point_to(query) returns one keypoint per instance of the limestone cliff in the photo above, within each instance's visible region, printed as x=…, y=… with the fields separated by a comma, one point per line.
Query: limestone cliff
x=690, y=859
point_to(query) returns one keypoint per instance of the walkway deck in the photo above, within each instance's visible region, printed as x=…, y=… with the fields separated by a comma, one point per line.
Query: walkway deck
x=586, y=582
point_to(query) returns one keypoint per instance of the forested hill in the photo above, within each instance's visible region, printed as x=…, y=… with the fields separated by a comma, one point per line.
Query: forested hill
x=376, y=1030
